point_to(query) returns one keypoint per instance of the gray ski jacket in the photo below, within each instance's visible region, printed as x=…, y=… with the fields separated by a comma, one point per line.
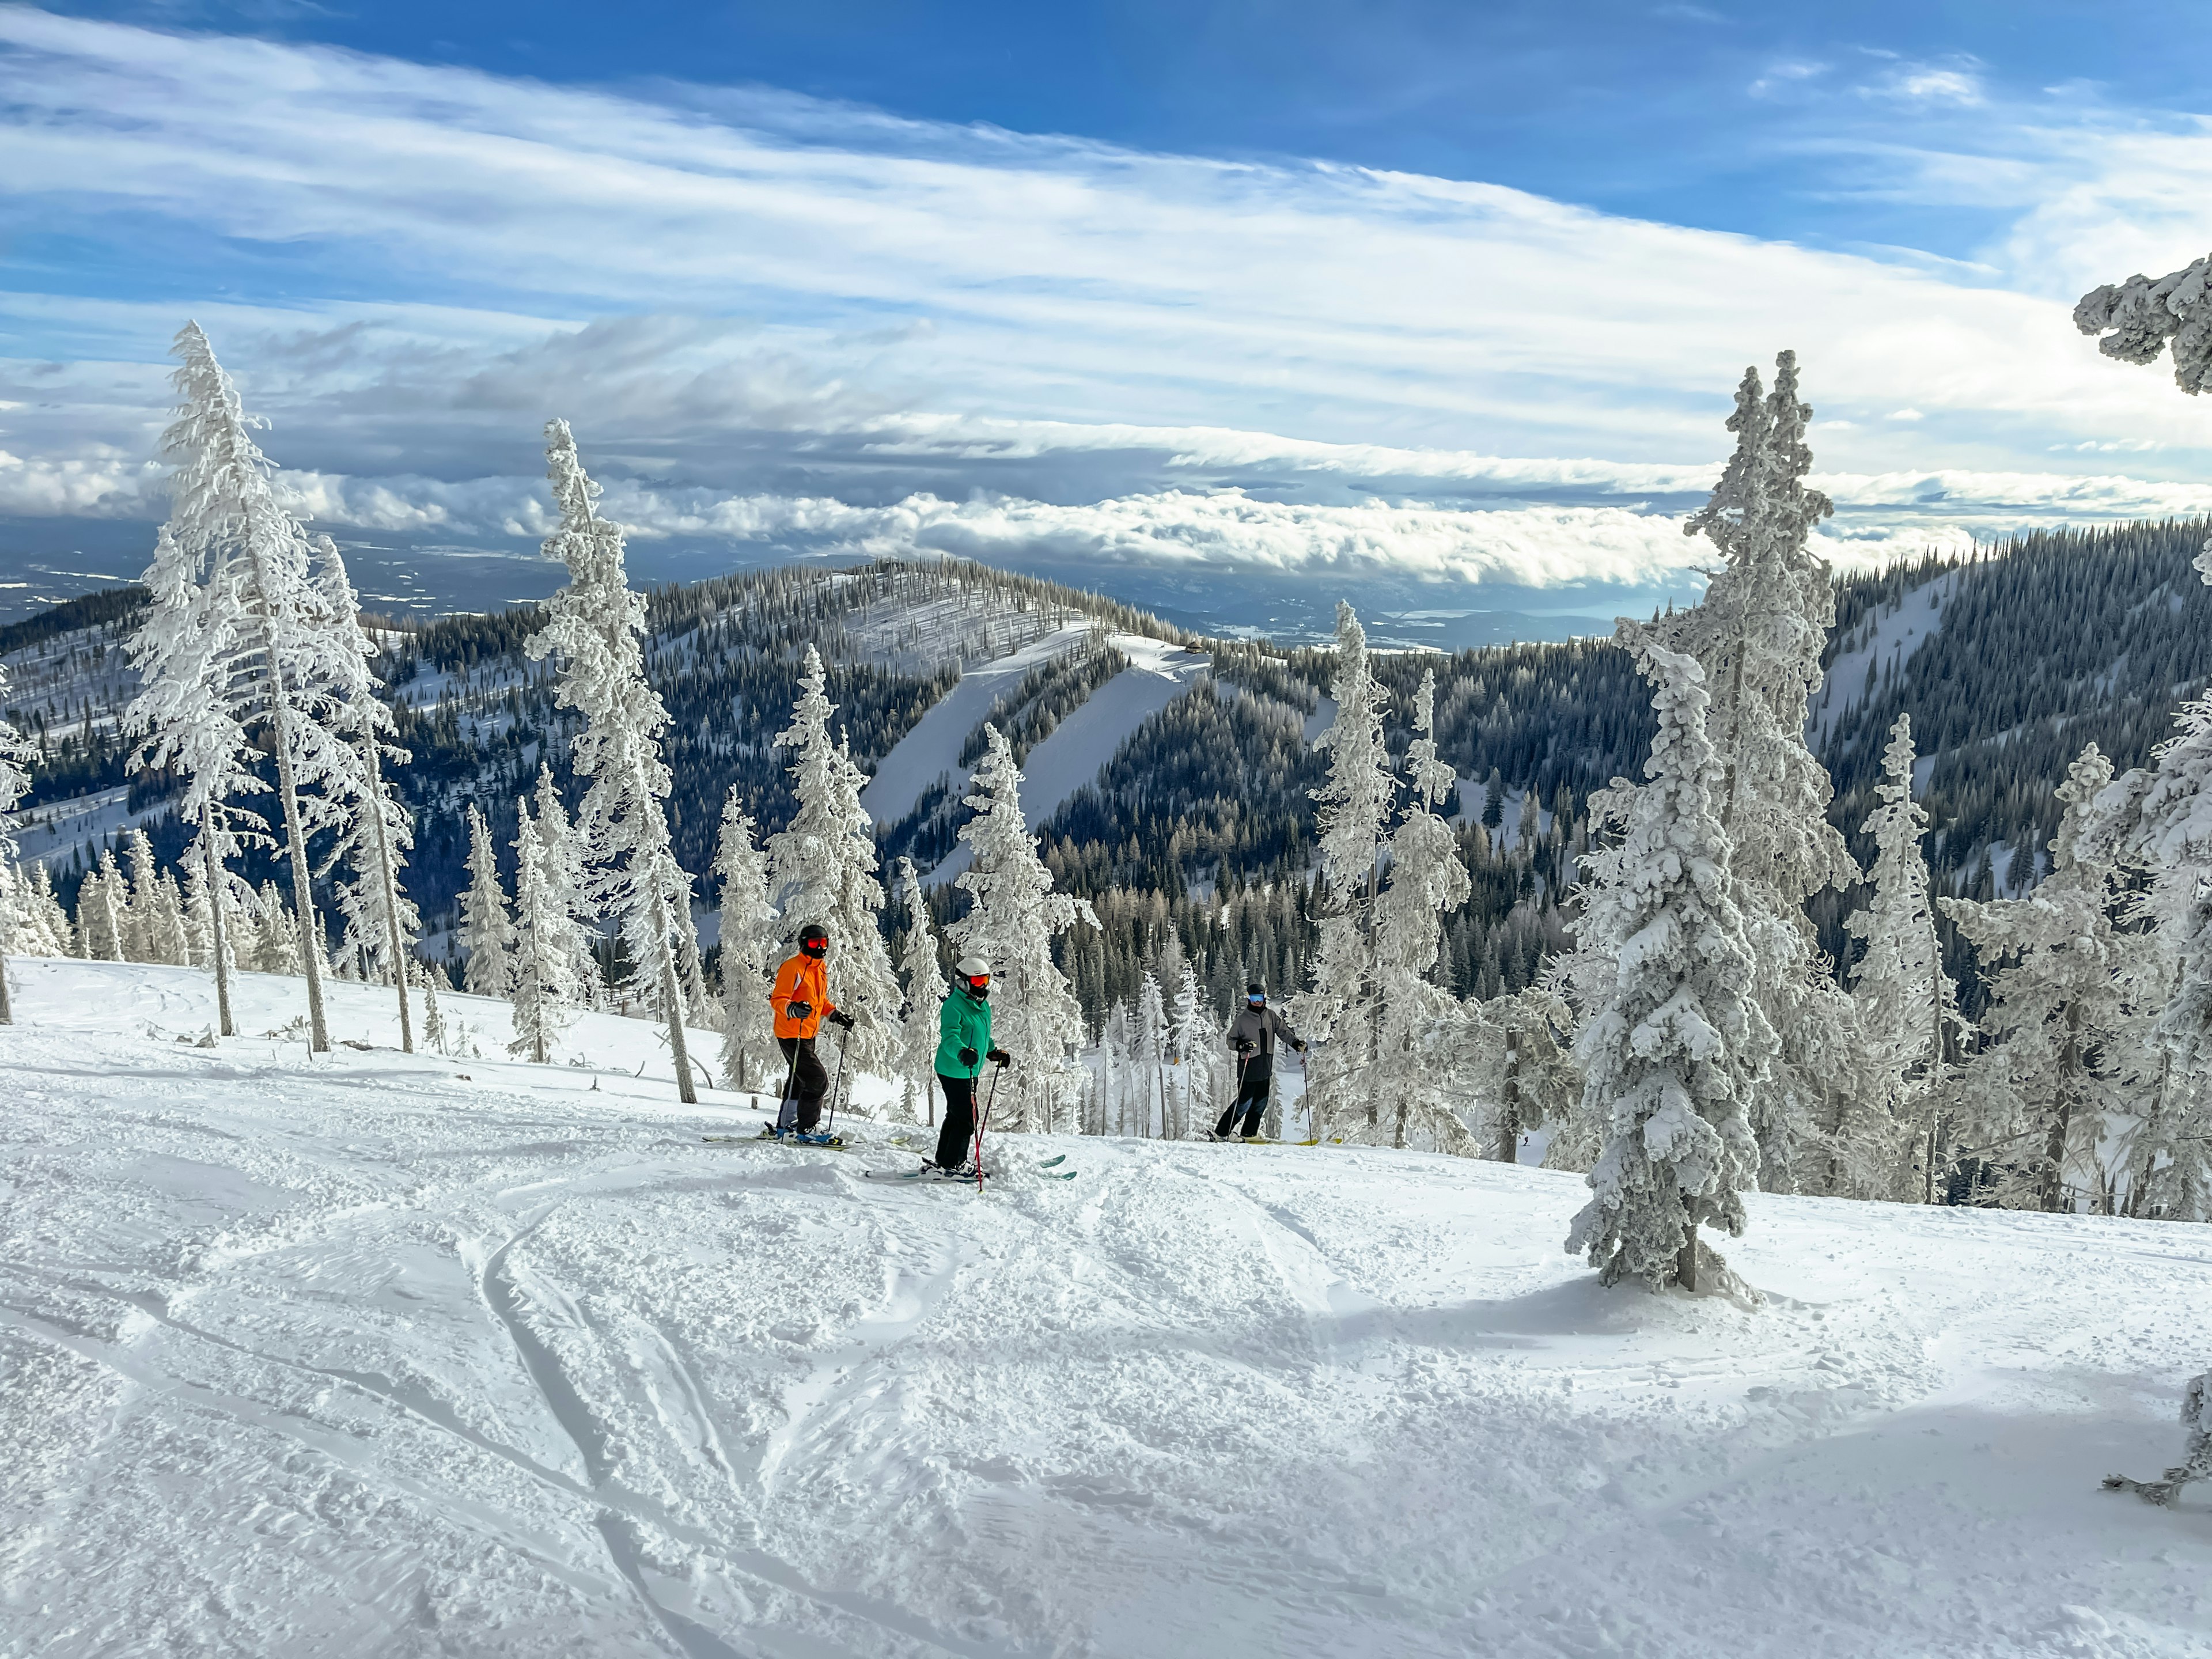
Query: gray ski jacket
x=1260, y=1027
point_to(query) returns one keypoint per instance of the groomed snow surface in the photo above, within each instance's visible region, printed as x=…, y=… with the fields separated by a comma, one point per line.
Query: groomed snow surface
x=361, y=1356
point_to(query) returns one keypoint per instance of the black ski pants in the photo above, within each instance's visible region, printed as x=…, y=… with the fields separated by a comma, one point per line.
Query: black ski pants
x=1251, y=1097
x=956, y=1135
x=805, y=1084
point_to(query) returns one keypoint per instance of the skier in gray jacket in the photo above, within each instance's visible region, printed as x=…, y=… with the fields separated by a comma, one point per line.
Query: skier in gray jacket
x=1252, y=1039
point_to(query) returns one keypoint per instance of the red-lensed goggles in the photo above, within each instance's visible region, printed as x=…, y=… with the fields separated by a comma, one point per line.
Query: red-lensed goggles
x=978, y=979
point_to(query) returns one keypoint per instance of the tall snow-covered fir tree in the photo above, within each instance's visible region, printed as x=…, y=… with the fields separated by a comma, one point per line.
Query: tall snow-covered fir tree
x=925, y=997
x=487, y=930
x=1677, y=1045
x=1337, y=1012
x=2056, y=1007
x=544, y=948
x=15, y=757
x=1194, y=1031
x=1012, y=919
x=189, y=716
x=99, y=921
x=1427, y=881
x=1887, y=1142
x=822, y=869
x=2160, y=817
x=593, y=630
x=1759, y=634
x=376, y=831
x=1152, y=1044
x=270, y=643
x=750, y=1059
x=564, y=871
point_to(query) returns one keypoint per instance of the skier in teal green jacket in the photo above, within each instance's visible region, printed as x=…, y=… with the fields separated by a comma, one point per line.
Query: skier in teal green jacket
x=963, y=1044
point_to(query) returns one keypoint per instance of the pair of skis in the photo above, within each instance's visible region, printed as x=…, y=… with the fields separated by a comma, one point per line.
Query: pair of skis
x=787, y=1138
x=929, y=1172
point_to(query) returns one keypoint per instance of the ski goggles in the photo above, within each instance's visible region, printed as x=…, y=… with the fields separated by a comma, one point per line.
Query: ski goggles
x=983, y=979
x=1254, y=1002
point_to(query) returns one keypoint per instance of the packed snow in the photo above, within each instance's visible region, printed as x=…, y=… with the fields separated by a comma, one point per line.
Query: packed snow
x=374, y=1354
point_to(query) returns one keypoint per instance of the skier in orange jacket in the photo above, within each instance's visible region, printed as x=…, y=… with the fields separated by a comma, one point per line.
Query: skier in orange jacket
x=801, y=1001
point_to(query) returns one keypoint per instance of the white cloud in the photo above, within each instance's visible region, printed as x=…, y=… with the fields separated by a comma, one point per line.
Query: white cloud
x=761, y=310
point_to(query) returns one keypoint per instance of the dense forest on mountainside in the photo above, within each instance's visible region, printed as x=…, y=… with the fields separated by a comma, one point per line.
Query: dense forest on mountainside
x=2027, y=650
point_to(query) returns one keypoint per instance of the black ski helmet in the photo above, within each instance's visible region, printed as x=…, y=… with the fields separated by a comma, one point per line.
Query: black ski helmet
x=1255, y=992
x=813, y=939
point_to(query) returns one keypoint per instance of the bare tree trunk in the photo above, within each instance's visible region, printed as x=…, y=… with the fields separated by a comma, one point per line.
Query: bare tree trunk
x=685, y=1090
x=389, y=880
x=1508, y=1125
x=7, y=1009
x=215, y=890
x=1686, y=1264
x=2054, y=1148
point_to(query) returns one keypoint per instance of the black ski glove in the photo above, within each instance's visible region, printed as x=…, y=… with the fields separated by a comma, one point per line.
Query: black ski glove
x=967, y=1058
x=798, y=1009
x=1243, y=1046
x=1300, y=1047
x=999, y=1057
x=840, y=1018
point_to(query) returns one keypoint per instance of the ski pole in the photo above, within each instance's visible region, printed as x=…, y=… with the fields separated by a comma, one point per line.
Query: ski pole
x=984, y=1121
x=843, y=1044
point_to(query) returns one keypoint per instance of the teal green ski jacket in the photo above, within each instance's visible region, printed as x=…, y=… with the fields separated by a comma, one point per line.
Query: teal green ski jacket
x=964, y=1022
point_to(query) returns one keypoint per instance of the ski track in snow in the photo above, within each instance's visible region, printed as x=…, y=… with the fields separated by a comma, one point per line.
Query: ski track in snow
x=362, y=1356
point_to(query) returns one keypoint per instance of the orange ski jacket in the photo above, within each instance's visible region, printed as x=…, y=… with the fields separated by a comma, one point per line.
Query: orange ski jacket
x=801, y=979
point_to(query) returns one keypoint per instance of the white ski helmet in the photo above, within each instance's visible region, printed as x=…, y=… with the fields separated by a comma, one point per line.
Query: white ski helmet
x=973, y=968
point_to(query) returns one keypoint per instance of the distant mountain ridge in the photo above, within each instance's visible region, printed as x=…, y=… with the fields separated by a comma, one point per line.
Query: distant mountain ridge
x=2008, y=662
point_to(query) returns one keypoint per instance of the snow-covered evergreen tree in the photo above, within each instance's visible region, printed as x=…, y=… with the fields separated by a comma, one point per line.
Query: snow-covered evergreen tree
x=99, y=921
x=1758, y=635
x=267, y=652
x=592, y=629
x=544, y=947
x=41, y=927
x=189, y=714
x=376, y=831
x=166, y=937
x=1337, y=1013
x=278, y=948
x=822, y=869
x=1014, y=917
x=1427, y=881
x=427, y=977
x=1677, y=1045
x=750, y=1059
x=1906, y=1002
x=925, y=996
x=2055, y=1007
x=1151, y=1036
x=140, y=895
x=1195, y=1032
x=486, y=932
x=15, y=756
x=1119, y=1071
x=1515, y=1048
x=564, y=870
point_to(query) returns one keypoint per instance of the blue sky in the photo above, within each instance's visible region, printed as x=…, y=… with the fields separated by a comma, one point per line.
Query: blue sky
x=1453, y=293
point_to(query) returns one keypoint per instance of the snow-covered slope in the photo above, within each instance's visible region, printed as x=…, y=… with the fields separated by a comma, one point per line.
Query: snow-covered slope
x=931, y=750
x=1071, y=758
x=366, y=1355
